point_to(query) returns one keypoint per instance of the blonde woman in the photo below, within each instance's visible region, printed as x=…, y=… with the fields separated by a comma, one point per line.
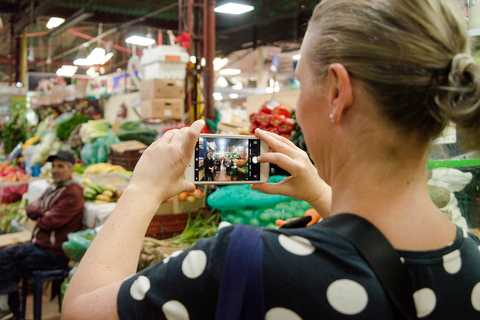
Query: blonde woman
x=380, y=79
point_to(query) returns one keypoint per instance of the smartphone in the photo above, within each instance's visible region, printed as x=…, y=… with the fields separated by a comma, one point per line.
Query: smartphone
x=227, y=159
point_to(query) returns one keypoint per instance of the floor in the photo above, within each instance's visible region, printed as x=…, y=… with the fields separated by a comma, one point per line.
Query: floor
x=49, y=309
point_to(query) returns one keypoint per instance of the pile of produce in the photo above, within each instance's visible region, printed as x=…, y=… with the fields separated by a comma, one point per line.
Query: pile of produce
x=48, y=145
x=19, y=180
x=12, y=216
x=188, y=196
x=267, y=217
x=99, y=193
x=153, y=251
x=75, y=139
x=238, y=204
x=276, y=119
x=103, y=168
x=297, y=135
x=133, y=131
x=65, y=128
x=94, y=129
x=11, y=173
x=13, y=133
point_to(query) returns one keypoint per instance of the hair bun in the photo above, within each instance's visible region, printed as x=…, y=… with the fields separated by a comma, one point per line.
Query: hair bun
x=460, y=98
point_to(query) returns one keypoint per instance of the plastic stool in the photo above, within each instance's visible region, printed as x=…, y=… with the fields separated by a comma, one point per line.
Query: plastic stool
x=38, y=278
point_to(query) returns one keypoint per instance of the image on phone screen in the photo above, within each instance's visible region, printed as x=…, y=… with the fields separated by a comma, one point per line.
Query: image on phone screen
x=227, y=159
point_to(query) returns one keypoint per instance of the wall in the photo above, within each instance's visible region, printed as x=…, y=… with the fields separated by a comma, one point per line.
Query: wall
x=286, y=98
x=131, y=100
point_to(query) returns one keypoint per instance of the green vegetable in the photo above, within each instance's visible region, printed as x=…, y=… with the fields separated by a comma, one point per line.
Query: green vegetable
x=94, y=129
x=65, y=128
x=131, y=130
x=13, y=133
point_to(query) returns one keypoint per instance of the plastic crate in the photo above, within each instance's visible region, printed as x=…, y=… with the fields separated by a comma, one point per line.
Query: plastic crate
x=127, y=159
x=165, y=226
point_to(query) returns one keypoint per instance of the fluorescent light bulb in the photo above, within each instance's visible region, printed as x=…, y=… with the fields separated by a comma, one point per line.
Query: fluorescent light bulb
x=54, y=22
x=97, y=55
x=67, y=71
x=217, y=96
x=233, y=8
x=82, y=62
x=233, y=95
x=140, y=41
x=92, y=72
x=229, y=72
x=219, y=63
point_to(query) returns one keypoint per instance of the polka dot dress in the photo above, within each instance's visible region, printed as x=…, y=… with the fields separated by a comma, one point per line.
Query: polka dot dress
x=309, y=273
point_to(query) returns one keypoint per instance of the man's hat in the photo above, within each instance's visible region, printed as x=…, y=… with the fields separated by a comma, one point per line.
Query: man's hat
x=62, y=155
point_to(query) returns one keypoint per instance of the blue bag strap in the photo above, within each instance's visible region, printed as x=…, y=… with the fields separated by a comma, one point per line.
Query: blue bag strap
x=241, y=290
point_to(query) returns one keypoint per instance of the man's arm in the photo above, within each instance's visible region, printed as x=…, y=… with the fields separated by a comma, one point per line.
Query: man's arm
x=61, y=211
x=35, y=210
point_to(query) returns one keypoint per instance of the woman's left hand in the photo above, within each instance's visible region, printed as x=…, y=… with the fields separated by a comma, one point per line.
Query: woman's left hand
x=160, y=170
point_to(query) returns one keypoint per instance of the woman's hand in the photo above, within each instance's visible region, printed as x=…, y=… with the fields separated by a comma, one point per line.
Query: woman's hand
x=159, y=172
x=304, y=182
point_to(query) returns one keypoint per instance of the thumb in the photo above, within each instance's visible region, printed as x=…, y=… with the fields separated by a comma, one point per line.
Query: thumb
x=188, y=186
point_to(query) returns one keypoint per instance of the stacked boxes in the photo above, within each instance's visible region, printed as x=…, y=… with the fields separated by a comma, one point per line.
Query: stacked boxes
x=162, y=98
x=163, y=90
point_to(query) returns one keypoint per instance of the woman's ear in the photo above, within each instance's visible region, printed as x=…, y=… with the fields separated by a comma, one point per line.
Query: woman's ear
x=341, y=94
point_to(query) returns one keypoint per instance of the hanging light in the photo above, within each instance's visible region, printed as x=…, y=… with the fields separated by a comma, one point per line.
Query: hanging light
x=54, y=22
x=230, y=72
x=233, y=8
x=140, y=41
x=67, y=71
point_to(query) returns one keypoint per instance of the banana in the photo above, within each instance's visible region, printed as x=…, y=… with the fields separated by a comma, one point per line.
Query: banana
x=111, y=188
x=103, y=198
x=108, y=193
x=100, y=202
x=89, y=192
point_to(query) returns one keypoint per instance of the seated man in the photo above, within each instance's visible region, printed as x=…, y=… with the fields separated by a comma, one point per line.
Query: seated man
x=58, y=212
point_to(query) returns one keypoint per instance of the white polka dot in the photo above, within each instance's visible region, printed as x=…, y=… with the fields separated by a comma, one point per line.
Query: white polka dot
x=175, y=310
x=347, y=296
x=402, y=260
x=476, y=297
x=173, y=255
x=425, y=302
x=224, y=224
x=478, y=248
x=194, y=264
x=452, y=262
x=296, y=245
x=465, y=233
x=281, y=314
x=139, y=288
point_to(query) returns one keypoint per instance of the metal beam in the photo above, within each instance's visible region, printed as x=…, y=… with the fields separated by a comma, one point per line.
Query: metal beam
x=26, y=16
x=114, y=30
x=71, y=21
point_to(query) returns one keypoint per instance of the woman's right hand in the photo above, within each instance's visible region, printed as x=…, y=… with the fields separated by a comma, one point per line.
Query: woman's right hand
x=304, y=182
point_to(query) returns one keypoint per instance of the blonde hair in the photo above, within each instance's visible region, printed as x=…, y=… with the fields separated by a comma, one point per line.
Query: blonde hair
x=412, y=55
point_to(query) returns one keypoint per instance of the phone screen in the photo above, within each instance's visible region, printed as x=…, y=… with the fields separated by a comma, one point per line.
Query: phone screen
x=227, y=159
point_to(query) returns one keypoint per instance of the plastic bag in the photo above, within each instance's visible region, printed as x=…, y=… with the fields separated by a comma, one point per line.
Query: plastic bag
x=12, y=194
x=241, y=196
x=238, y=204
x=452, y=180
x=78, y=243
x=97, y=151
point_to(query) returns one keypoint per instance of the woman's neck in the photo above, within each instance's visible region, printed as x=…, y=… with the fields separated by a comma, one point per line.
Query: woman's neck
x=392, y=193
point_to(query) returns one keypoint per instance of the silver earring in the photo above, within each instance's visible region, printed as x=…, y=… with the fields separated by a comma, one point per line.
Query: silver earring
x=331, y=117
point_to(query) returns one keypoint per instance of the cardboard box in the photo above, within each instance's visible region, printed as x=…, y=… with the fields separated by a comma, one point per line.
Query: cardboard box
x=162, y=88
x=163, y=108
